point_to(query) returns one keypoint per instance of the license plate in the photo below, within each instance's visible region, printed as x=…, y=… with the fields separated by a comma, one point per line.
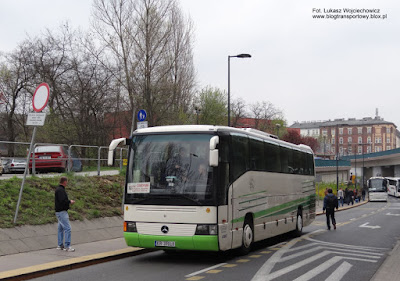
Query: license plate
x=45, y=157
x=164, y=243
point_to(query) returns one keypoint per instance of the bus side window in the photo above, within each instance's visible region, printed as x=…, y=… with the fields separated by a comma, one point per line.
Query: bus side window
x=272, y=158
x=240, y=156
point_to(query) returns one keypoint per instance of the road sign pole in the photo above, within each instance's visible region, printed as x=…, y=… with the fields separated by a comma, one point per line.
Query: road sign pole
x=25, y=172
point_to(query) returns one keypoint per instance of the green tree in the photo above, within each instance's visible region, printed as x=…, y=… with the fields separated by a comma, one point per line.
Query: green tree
x=212, y=102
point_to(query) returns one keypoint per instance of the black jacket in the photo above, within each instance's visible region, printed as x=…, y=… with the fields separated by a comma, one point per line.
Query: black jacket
x=61, y=199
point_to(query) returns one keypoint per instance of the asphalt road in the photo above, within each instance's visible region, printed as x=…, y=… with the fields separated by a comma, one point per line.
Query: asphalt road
x=352, y=252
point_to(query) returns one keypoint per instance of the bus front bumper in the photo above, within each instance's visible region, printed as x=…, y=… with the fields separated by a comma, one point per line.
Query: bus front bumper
x=195, y=242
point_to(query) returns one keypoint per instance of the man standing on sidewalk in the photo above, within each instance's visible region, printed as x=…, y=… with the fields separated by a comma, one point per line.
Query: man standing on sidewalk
x=62, y=204
x=330, y=203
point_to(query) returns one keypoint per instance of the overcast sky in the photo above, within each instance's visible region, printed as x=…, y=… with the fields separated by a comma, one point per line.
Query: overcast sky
x=311, y=69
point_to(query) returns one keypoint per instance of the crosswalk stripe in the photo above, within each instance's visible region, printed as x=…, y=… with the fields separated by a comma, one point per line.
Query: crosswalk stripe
x=340, y=272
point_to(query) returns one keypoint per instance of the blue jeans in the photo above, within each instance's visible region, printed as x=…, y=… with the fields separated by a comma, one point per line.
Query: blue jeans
x=64, y=228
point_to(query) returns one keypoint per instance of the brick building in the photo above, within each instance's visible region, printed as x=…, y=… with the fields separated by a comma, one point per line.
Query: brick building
x=351, y=136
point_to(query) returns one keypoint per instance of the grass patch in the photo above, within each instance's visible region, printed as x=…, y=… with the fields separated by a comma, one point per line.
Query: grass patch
x=98, y=196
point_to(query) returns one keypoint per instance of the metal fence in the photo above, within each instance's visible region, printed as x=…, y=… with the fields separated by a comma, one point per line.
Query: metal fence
x=87, y=155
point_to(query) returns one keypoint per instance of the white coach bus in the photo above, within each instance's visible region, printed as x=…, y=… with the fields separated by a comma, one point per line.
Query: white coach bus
x=214, y=188
x=377, y=189
x=394, y=187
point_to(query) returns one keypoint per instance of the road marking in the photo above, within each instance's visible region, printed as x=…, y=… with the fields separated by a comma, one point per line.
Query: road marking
x=229, y=265
x=205, y=270
x=265, y=252
x=366, y=225
x=214, y=271
x=195, y=278
x=389, y=214
x=270, y=263
x=254, y=256
x=243, y=260
x=340, y=272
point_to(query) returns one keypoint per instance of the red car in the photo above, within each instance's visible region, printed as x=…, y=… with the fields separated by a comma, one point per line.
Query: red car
x=53, y=158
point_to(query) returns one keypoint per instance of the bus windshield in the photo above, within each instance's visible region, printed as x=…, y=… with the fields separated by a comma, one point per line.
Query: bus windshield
x=377, y=185
x=170, y=169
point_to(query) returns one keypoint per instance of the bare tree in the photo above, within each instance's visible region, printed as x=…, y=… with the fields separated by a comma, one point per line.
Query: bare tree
x=264, y=114
x=151, y=46
x=14, y=82
x=238, y=109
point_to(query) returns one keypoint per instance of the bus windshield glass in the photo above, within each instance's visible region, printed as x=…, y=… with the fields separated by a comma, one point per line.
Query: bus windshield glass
x=377, y=185
x=170, y=169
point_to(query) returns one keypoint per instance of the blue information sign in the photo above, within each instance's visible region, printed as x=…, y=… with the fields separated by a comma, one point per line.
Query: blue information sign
x=141, y=116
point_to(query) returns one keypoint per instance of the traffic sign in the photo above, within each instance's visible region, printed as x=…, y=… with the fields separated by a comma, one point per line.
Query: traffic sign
x=41, y=97
x=35, y=119
x=141, y=116
x=143, y=124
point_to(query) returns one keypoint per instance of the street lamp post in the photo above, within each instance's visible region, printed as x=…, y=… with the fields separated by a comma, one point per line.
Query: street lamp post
x=229, y=82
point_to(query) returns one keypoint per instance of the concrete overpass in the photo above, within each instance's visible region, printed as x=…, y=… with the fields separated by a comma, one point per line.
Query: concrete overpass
x=384, y=163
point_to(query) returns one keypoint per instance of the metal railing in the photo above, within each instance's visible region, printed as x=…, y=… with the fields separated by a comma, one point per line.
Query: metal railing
x=22, y=153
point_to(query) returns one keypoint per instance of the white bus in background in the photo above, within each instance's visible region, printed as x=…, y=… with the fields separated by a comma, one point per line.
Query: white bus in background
x=394, y=186
x=256, y=187
x=377, y=189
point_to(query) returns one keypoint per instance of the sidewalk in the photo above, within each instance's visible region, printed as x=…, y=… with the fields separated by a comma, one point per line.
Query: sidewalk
x=30, y=263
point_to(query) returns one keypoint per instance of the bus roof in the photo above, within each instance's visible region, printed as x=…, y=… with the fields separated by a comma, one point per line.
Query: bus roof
x=210, y=128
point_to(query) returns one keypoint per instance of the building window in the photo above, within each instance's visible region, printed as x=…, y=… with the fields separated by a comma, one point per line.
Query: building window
x=368, y=149
x=341, y=150
x=349, y=140
x=324, y=133
x=369, y=140
x=359, y=139
x=333, y=150
x=341, y=140
x=378, y=149
x=359, y=130
x=388, y=147
x=340, y=131
x=388, y=140
x=388, y=130
x=350, y=150
x=360, y=149
x=369, y=130
x=333, y=140
x=332, y=132
x=349, y=131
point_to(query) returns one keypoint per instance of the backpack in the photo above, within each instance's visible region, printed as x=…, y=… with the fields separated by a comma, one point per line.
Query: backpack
x=331, y=202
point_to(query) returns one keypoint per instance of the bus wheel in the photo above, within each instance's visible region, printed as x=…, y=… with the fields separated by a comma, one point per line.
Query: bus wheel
x=299, y=223
x=247, y=237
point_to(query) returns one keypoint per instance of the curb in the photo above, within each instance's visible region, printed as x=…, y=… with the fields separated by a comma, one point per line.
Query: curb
x=344, y=208
x=68, y=264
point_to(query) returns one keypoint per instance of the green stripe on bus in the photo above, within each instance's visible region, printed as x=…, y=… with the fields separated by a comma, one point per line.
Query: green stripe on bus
x=251, y=200
x=250, y=194
x=195, y=242
x=283, y=208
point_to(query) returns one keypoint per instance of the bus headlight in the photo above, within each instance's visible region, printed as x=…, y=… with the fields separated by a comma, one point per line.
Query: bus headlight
x=130, y=226
x=206, y=229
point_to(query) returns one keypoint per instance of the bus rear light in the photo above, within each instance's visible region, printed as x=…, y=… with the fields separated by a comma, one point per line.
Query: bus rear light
x=130, y=226
x=206, y=229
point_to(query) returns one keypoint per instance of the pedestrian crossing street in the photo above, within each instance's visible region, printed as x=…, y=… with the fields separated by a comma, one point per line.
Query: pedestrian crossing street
x=336, y=259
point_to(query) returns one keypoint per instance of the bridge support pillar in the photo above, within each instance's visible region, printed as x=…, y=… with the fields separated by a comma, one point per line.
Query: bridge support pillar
x=376, y=171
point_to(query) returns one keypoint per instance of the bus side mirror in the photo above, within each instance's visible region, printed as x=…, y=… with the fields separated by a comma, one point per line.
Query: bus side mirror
x=214, y=151
x=111, y=148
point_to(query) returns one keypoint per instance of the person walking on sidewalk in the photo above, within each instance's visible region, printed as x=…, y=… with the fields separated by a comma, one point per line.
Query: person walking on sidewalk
x=330, y=203
x=341, y=196
x=62, y=204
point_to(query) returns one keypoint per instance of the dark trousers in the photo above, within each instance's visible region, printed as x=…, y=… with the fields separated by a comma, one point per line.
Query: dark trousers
x=330, y=215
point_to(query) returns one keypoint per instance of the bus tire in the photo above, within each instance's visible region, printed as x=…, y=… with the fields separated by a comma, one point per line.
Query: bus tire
x=299, y=223
x=248, y=236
